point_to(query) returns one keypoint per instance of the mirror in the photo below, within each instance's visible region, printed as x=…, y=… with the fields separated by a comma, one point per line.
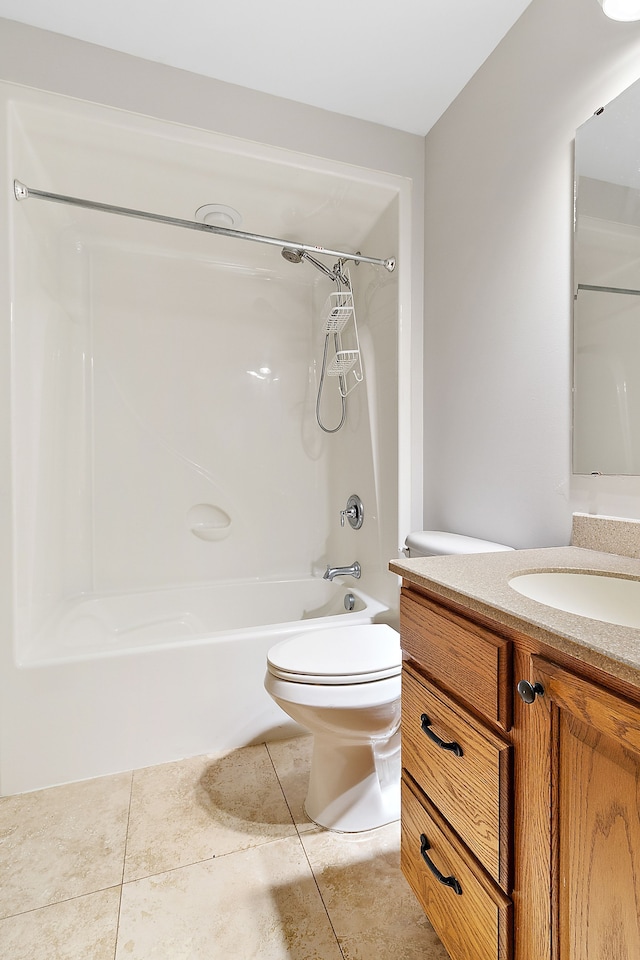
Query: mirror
x=606, y=287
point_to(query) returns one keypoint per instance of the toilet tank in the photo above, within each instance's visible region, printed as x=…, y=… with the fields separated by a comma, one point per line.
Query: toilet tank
x=436, y=543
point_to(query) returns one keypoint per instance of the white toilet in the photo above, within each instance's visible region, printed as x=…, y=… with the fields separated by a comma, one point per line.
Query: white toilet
x=436, y=543
x=343, y=685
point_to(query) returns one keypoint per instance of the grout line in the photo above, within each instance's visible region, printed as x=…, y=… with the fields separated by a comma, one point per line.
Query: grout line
x=55, y=903
x=284, y=796
x=306, y=856
x=326, y=909
x=214, y=856
x=126, y=837
x=124, y=863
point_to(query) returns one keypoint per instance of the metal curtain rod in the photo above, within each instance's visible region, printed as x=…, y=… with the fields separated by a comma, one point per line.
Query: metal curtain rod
x=23, y=192
x=597, y=289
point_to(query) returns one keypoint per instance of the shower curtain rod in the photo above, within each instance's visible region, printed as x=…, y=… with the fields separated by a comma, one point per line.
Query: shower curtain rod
x=23, y=192
x=598, y=289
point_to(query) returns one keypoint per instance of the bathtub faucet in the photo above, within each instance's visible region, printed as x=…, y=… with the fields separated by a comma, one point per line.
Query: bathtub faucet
x=352, y=571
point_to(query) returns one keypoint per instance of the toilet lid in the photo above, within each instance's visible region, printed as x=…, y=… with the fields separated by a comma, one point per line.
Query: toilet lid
x=338, y=655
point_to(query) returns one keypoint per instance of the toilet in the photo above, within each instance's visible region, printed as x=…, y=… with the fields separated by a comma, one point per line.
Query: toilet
x=436, y=543
x=343, y=685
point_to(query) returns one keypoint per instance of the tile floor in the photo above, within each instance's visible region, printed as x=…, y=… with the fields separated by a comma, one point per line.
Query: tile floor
x=204, y=858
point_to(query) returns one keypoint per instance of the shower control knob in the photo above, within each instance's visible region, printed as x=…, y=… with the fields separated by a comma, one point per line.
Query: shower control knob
x=354, y=512
x=351, y=513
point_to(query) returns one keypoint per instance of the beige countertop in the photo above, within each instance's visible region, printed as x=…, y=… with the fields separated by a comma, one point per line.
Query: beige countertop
x=480, y=582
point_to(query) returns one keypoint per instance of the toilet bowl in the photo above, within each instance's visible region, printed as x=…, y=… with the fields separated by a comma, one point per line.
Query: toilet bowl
x=343, y=685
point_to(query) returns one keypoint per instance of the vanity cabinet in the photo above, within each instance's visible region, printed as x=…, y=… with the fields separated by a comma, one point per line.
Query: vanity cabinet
x=594, y=742
x=520, y=813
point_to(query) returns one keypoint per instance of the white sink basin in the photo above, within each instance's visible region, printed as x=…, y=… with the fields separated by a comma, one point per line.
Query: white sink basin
x=608, y=598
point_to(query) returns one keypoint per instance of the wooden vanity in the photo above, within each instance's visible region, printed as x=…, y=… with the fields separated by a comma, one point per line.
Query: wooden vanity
x=520, y=809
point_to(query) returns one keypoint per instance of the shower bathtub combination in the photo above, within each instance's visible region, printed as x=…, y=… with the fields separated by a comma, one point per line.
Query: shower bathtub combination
x=179, y=464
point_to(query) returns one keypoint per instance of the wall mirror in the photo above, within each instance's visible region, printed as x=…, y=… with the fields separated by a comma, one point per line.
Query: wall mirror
x=606, y=287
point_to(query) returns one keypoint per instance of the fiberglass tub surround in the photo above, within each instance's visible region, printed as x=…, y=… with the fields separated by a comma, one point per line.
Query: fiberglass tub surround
x=171, y=484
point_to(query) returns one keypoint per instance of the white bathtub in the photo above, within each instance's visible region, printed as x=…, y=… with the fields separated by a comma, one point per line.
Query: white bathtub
x=128, y=681
x=106, y=625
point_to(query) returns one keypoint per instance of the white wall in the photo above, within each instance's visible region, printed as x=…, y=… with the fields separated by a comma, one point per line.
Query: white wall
x=498, y=215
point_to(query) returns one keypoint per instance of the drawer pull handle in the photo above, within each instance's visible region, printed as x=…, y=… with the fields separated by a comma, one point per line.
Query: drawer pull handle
x=454, y=747
x=447, y=881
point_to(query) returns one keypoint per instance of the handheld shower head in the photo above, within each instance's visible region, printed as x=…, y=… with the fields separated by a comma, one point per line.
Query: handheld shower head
x=294, y=255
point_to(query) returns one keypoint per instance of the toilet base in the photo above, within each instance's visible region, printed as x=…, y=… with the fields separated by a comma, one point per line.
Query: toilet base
x=354, y=787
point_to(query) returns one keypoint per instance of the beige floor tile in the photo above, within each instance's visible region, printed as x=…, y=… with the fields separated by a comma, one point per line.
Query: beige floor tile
x=76, y=929
x=62, y=842
x=260, y=903
x=372, y=909
x=200, y=808
x=292, y=761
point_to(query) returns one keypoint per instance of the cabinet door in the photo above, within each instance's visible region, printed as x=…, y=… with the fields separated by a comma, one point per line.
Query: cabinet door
x=595, y=817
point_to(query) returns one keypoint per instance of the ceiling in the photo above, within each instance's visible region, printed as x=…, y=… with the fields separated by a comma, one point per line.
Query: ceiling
x=397, y=63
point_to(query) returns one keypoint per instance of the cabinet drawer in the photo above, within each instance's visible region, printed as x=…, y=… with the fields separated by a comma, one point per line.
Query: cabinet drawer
x=465, y=659
x=473, y=920
x=466, y=775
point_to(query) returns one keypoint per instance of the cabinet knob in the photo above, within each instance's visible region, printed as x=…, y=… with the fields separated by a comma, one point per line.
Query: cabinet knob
x=529, y=691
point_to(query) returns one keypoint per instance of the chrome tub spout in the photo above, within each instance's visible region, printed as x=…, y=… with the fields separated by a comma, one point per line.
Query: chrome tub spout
x=352, y=571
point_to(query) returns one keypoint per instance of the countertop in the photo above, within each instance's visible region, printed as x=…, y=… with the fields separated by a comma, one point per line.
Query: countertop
x=480, y=582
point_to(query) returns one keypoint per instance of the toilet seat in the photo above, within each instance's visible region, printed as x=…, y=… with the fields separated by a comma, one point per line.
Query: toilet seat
x=338, y=655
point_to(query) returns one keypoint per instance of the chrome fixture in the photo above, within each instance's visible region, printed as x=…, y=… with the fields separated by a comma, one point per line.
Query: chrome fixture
x=626, y=10
x=349, y=602
x=352, y=571
x=354, y=512
x=345, y=363
x=295, y=255
x=22, y=192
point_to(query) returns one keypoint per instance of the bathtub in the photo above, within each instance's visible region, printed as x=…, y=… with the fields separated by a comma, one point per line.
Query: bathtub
x=238, y=611
x=122, y=682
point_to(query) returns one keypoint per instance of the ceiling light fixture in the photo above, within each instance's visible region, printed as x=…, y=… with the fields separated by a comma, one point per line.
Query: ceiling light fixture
x=621, y=9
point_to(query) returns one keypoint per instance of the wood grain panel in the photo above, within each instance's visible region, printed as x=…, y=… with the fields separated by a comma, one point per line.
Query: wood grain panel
x=471, y=790
x=464, y=658
x=608, y=712
x=530, y=737
x=473, y=925
x=595, y=817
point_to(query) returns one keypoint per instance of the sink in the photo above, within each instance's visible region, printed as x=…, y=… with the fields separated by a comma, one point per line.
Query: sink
x=610, y=599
